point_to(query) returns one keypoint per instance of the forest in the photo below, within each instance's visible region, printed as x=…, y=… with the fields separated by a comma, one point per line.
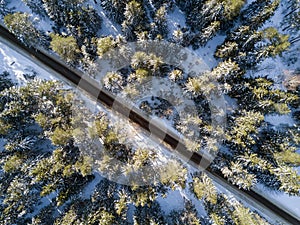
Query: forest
x=51, y=174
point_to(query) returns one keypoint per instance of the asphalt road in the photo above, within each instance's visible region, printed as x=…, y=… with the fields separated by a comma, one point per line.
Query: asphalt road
x=77, y=78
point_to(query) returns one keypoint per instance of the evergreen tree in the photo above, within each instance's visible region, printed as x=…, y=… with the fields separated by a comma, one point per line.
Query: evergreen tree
x=135, y=20
x=159, y=27
x=104, y=45
x=65, y=47
x=209, y=32
x=291, y=19
x=36, y=6
x=115, y=9
x=245, y=127
x=204, y=188
x=5, y=81
x=188, y=215
x=22, y=26
x=149, y=215
x=3, y=8
x=263, y=15
x=113, y=81
x=80, y=21
x=277, y=43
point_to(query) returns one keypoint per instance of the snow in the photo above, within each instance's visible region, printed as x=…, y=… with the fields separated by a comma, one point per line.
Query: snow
x=290, y=203
x=277, y=67
x=175, y=20
x=89, y=189
x=2, y=144
x=42, y=23
x=108, y=27
x=19, y=6
x=207, y=52
x=173, y=197
x=43, y=202
x=17, y=65
x=277, y=120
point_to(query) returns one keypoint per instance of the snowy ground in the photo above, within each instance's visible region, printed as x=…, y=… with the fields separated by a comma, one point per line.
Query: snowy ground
x=17, y=66
x=290, y=203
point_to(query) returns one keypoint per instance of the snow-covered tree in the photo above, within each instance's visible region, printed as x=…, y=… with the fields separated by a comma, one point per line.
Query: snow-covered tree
x=65, y=47
x=23, y=27
x=135, y=20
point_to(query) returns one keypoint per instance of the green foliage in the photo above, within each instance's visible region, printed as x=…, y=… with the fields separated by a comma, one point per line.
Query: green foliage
x=22, y=25
x=245, y=126
x=159, y=26
x=288, y=157
x=135, y=20
x=289, y=179
x=173, y=174
x=105, y=44
x=277, y=43
x=121, y=205
x=149, y=215
x=65, y=47
x=243, y=216
x=232, y=8
x=228, y=49
x=115, y=9
x=205, y=189
x=60, y=136
x=239, y=176
x=12, y=163
x=113, y=81
x=79, y=19
x=69, y=217
x=142, y=196
x=142, y=157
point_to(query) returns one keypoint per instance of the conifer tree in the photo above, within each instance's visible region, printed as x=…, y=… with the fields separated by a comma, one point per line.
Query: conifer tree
x=22, y=26
x=159, y=26
x=115, y=9
x=65, y=47
x=135, y=20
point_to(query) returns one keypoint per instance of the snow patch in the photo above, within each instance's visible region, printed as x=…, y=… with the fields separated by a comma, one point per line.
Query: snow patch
x=173, y=201
x=2, y=144
x=277, y=120
x=17, y=65
x=290, y=203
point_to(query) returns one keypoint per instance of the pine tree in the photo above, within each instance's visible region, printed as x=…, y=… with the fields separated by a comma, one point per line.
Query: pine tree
x=209, y=32
x=22, y=26
x=149, y=215
x=244, y=128
x=263, y=15
x=228, y=49
x=113, y=81
x=291, y=19
x=104, y=45
x=160, y=27
x=65, y=47
x=204, y=189
x=5, y=81
x=173, y=174
x=277, y=43
x=3, y=7
x=36, y=6
x=80, y=21
x=135, y=20
x=115, y=9
x=232, y=8
x=188, y=215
